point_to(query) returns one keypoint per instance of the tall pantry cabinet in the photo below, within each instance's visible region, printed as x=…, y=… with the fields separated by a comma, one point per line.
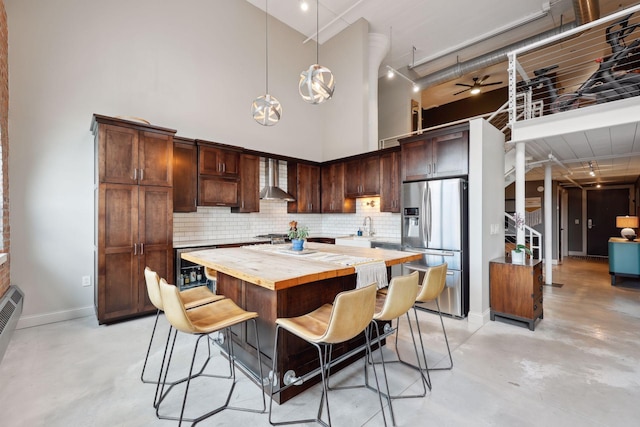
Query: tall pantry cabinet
x=134, y=213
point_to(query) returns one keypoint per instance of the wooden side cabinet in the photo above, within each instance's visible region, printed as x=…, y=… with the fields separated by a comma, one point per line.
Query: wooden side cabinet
x=516, y=290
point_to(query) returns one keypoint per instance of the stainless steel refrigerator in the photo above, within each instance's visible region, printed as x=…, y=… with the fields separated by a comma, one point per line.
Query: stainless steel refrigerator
x=434, y=223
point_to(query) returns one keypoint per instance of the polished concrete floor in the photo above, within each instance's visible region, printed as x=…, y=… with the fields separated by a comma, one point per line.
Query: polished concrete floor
x=581, y=366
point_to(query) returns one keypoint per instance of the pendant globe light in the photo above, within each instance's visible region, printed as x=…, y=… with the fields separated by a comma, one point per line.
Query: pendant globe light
x=317, y=83
x=266, y=109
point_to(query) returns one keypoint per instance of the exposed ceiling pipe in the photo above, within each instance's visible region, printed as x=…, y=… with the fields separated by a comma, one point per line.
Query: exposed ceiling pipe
x=585, y=11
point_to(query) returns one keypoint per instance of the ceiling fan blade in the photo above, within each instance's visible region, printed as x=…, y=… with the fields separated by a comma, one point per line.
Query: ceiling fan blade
x=462, y=84
x=464, y=90
x=483, y=79
x=491, y=84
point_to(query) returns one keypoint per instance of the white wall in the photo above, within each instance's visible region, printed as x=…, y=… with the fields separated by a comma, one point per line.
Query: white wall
x=192, y=66
x=394, y=107
x=486, y=208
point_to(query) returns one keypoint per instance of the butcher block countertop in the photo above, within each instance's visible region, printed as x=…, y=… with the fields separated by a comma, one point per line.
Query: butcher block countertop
x=276, y=267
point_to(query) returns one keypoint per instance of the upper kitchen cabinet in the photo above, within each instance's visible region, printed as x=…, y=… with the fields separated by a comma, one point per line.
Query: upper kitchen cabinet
x=303, y=183
x=249, y=190
x=390, y=181
x=218, y=175
x=362, y=176
x=437, y=154
x=130, y=152
x=333, y=194
x=217, y=160
x=185, y=175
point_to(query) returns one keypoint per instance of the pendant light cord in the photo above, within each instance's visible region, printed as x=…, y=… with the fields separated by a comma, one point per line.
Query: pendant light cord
x=317, y=30
x=266, y=43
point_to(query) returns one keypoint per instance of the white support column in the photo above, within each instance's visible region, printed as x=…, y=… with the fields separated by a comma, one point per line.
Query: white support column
x=520, y=194
x=548, y=226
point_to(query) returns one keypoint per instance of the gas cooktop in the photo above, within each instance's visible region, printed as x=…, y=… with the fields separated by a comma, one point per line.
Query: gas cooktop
x=271, y=236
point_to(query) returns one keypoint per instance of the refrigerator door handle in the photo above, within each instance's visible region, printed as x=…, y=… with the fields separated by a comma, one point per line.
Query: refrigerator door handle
x=429, y=202
x=424, y=214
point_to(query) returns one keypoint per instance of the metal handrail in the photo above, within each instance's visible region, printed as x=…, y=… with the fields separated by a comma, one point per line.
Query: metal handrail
x=532, y=236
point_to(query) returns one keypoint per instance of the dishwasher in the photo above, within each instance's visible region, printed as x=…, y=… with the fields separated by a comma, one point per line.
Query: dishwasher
x=396, y=270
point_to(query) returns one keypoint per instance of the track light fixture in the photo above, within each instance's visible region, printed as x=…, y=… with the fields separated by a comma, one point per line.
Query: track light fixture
x=591, y=172
x=392, y=72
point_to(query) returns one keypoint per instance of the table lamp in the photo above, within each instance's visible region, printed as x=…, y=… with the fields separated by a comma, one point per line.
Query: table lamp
x=627, y=223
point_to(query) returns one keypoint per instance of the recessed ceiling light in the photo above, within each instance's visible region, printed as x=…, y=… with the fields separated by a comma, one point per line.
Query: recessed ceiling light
x=416, y=88
x=304, y=5
x=390, y=73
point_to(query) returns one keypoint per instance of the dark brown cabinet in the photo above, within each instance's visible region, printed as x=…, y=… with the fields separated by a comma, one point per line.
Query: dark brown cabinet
x=134, y=218
x=362, y=177
x=214, y=160
x=390, y=182
x=516, y=290
x=249, y=189
x=333, y=196
x=218, y=175
x=185, y=175
x=303, y=183
x=437, y=154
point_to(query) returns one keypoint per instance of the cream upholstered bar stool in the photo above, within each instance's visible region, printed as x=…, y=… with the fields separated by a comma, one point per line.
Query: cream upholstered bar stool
x=350, y=314
x=392, y=303
x=432, y=286
x=193, y=297
x=202, y=321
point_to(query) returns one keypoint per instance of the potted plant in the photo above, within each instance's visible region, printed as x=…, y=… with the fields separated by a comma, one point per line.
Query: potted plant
x=297, y=235
x=517, y=254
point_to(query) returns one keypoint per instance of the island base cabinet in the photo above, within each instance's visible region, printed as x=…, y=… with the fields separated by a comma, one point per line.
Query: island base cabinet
x=294, y=353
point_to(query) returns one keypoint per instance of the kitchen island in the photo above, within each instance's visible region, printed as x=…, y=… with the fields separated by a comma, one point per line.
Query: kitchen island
x=276, y=282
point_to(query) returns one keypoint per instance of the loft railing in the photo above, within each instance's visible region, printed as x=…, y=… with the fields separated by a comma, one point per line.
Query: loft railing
x=592, y=64
x=533, y=238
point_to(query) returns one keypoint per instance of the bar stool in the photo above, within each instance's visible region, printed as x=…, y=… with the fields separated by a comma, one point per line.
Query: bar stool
x=432, y=286
x=349, y=315
x=193, y=297
x=202, y=321
x=391, y=304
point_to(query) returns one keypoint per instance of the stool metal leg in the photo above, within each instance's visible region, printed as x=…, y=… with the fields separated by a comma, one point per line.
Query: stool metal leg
x=446, y=340
x=146, y=358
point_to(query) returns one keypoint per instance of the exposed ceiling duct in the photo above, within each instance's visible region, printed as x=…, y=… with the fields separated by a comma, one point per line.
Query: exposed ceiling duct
x=585, y=11
x=271, y=191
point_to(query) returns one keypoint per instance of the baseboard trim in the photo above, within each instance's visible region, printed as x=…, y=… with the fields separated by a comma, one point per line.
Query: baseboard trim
x=478, y=320
x=57, y=316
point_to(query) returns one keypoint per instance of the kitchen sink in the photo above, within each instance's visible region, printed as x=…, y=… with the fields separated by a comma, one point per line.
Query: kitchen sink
x=358, y=241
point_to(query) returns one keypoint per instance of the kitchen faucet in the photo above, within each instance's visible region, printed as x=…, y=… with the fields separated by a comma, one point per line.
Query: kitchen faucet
x=368, y=230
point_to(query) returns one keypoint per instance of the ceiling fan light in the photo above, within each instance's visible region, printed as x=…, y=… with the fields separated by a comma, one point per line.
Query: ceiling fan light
x=316, y=84
x=266, y=110
x=475, y=91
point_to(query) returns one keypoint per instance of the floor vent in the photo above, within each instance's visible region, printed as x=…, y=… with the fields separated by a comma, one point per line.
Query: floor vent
x=10, y=311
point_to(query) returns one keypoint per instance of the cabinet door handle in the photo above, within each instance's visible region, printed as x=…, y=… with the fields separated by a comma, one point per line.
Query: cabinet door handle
x=141, y=174
x=243, y=204
x=141, y=248
x=135, y=249
x=224, y=167
x=135, y=174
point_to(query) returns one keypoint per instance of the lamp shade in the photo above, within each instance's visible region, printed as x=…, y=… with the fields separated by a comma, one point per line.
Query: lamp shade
x=627, y=223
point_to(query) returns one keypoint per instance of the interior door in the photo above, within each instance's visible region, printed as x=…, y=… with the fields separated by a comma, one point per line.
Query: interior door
x=602, y=209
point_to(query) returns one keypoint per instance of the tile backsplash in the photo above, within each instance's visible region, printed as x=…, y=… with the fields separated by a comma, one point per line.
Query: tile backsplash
x=219, y=223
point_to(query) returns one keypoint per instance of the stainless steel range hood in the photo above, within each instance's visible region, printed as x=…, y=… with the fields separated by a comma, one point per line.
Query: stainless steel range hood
x=271, y=191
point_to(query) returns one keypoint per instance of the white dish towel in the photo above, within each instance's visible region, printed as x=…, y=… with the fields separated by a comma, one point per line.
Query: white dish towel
x=370, y=272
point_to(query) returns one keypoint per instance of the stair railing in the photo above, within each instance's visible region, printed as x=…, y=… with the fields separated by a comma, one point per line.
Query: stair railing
x=533, y=238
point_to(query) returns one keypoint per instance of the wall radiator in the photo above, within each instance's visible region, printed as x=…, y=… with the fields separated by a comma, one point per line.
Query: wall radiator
x=10, y=311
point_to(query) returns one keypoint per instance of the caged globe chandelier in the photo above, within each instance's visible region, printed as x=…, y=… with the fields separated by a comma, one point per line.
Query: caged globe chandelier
x=317, y=83
x=266, y=109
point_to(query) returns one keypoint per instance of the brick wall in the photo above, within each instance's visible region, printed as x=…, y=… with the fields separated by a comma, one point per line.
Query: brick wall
x=4, y=109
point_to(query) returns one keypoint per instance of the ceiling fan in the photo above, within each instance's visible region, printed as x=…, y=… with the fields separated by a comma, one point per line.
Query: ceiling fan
x=476, y=86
